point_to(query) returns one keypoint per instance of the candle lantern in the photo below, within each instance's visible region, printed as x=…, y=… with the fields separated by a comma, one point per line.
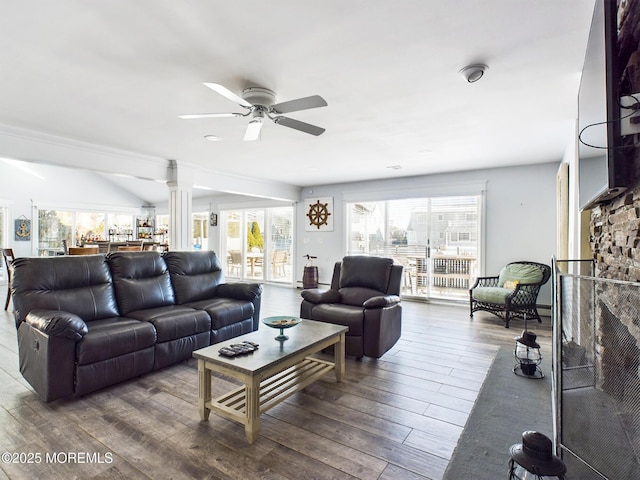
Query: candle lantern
x=528, y=357
x=533, y=459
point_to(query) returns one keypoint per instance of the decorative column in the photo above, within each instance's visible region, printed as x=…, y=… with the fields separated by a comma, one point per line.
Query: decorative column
x=180, y=207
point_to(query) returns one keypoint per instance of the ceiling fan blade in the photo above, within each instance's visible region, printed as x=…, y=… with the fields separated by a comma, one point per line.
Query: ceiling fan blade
x=253, y=131
x=305, y=103
x=209, y=115
x=225, y=92
x=298, y=125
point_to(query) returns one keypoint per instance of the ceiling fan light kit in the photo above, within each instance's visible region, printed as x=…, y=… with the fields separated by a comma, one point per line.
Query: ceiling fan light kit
x=257, y=96
x=260, y=103
x=473, y=73
x=253, y=130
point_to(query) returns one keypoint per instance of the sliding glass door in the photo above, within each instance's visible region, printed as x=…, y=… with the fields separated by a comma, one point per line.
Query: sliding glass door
x=4, y=240
x=258, y=244
x=436, y=239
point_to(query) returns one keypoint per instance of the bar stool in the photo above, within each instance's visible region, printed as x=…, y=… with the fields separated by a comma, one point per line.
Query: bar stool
x=83, y=250
x=7, y=255
x=130, y=248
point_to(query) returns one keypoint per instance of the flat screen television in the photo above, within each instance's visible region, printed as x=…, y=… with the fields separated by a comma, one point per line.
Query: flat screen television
x=609, y=146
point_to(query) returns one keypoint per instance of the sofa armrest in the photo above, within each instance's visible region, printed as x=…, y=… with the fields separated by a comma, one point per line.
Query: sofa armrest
x=57, y=323
x=321, y=296
x=239, y=290
x=485, y=282
x=525, y=294
x=382, y=301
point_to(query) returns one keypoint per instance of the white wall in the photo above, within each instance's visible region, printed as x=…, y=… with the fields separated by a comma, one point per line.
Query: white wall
x=56, y=187
x=520, y=208
x=520, y=214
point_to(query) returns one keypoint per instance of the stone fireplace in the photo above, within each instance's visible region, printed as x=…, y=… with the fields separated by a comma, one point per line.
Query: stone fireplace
x=615, y=237
x=597, y=349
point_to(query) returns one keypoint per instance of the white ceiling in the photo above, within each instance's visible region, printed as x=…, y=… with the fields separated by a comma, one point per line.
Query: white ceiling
x=117, y=73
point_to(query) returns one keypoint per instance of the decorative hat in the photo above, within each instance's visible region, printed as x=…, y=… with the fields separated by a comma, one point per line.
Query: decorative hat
x=528, y=338
x=536, y=456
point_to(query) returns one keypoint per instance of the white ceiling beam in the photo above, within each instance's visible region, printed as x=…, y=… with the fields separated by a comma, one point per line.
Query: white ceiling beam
x=37, y=147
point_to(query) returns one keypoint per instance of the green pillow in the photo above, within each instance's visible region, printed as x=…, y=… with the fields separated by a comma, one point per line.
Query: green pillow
x=521, y=272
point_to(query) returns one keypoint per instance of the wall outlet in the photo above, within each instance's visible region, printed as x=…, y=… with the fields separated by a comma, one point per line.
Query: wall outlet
x=631, y=124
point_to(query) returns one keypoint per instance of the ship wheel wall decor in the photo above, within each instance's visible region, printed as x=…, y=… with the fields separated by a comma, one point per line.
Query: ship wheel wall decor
x=319, y=213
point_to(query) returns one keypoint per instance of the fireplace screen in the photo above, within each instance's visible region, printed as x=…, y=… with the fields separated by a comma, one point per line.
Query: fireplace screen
x=597, y=376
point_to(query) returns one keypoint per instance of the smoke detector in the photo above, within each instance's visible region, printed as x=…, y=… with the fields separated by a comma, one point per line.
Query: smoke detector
x=473, y=73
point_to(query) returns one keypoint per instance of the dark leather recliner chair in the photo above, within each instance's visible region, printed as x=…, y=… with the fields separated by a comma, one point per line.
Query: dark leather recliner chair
x=364, y=296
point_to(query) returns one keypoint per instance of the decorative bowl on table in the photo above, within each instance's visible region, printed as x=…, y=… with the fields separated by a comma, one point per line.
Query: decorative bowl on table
x=281, y=322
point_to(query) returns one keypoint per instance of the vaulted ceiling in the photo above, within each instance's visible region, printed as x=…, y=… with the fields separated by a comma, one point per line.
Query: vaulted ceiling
x=118, y=73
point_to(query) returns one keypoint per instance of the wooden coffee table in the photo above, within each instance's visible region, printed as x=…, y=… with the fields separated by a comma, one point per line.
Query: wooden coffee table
x=275, y=371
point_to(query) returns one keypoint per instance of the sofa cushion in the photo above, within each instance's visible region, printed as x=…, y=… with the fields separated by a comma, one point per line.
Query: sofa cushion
x=224, y=311
x=368, y=272
x=141, y=280
x=194, y=275
x=497, y=295
x=174, y=321
x=521, y=272
x=112, y=337
x=78, y=284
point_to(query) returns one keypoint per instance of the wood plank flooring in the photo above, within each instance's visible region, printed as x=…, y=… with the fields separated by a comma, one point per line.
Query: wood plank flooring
x=398, y=417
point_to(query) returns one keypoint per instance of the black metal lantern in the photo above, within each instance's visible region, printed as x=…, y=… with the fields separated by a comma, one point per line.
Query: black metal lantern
x=533, y=459
x=528, y=356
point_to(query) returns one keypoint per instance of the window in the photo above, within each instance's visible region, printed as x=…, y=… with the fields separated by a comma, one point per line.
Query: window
x=120, y=227
x=55, y=228
x=258, y=244
x=200, y=230
x=60, y=229
x=4, y=239
x=89, y=227
x=436, y=240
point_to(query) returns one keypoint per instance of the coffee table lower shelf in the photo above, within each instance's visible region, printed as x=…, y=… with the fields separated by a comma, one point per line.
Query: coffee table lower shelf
x=272, y=390
x=271, y=374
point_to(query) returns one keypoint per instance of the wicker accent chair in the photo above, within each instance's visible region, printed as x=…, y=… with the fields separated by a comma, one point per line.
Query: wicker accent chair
x=513, y=293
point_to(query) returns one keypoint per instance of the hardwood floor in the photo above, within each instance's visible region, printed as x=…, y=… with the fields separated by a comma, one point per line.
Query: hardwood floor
x=398, y=417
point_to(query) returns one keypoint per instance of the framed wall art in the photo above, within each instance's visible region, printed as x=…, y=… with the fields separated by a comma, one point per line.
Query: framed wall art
x=22, y=229
x=319, y=214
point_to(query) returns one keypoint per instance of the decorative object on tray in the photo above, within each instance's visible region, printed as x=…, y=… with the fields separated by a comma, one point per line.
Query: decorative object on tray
x=238, y=349
x=281, y=322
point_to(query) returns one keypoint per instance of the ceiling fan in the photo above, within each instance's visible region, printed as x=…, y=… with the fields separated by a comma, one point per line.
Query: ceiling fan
x=259, y=103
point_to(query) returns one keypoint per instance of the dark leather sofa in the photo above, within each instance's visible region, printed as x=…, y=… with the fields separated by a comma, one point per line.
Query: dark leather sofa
x=87, y=322
x=364, y=296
